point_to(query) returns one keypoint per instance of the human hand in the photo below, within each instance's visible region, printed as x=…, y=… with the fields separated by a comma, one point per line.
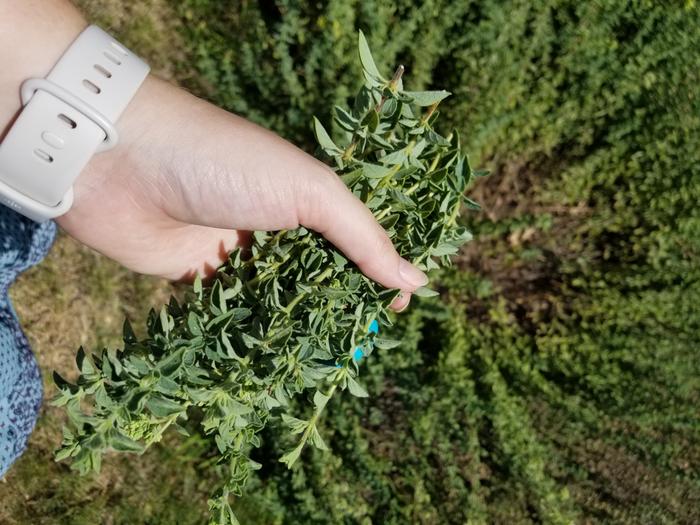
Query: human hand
x=189, y=180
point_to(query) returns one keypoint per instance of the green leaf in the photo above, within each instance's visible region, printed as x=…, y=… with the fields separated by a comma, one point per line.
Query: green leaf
x=234, y=315
x=233, y=289
x=375, y=171
x=320, y=400
x=296, y=426
x=390, y=107
x=386, y=344
x=353, y=177
x=84, y=362
x=123, y=443
x=317, y=440
x=249, y=341
x=356, y=389
x=324, y=139
x=237, y=408
x=444, y=249
x=363, y=101
x=166, y=321
x=472, y=205
x=427, y=98
x=193, y=324
x=161, y=406
x=371, y=120
x=292, y=456
x=171, y=364
x=64, y=453
x=339, y=260
x=396, y=157
x=425, y=292
x=368, y=65
x=345, y=120
x=197, y=286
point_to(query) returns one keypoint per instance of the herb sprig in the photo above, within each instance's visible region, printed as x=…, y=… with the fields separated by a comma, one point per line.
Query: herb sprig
x=294, y=317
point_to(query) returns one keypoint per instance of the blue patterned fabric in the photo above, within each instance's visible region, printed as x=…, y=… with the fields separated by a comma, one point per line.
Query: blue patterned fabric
x=23, y=243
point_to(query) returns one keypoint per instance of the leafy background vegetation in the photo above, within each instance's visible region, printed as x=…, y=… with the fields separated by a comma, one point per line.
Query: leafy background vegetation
x=556, y=380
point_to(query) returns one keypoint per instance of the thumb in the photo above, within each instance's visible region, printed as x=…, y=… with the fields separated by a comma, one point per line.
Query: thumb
x=277, y=185
x=327, y=206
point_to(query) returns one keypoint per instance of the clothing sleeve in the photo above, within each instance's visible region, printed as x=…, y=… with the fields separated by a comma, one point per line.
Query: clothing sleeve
x=23, y=243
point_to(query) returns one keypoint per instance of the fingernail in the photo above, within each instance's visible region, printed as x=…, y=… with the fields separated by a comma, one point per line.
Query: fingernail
x=412, y=275
x=403, y=308
x=401, y=302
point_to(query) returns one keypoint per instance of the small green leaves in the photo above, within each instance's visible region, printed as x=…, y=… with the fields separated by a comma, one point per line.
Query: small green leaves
x=324, y=139
x=356, y=389
x=320, y=400
x=123, y=443
x=425, y=292
x=292, y=456
x=161, y=406
x=370, y=68
x=292, y=317
x=317, y=440
x=426, y=98
x=345, y=120
x=386, y=344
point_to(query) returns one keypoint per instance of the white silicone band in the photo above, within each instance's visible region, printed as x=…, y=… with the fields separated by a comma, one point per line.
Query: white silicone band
x=67, y=118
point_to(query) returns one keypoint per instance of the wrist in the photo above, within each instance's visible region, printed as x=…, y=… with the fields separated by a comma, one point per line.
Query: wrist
x=33, y=37
x=143, y=133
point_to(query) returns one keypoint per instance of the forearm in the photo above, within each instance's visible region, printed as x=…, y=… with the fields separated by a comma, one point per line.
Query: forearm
x=187, y=177
x=33, y=36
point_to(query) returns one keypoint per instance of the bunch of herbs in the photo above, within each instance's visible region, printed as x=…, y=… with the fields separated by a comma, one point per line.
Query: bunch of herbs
x=290, y=317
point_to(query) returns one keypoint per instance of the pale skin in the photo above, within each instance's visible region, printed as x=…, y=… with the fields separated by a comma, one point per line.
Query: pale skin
x=189, y=180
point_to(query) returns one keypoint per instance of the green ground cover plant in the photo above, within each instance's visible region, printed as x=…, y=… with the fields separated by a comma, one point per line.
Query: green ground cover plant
x=557, y=378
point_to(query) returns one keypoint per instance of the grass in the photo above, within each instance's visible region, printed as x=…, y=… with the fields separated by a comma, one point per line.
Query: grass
x=576, y=378
x=76, y=298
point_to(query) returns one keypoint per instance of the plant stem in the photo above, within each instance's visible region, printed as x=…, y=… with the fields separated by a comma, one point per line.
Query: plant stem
x=295, y=301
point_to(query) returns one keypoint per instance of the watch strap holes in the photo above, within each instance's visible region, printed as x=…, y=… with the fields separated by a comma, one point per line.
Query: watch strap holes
x=92, y=86
x=112, y=58
x=43, y=155
x=119, y=49
x=67, y=120
x=103, y=71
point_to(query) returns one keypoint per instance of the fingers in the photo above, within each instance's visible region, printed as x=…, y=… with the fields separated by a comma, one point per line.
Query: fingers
x=248, y=178
x=401, y=302
x=325, y=205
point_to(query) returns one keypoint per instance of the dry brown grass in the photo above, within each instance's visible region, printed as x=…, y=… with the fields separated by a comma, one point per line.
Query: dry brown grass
x=77, y=297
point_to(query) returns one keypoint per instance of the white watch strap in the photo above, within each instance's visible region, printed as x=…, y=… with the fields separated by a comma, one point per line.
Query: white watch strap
x=67, y=118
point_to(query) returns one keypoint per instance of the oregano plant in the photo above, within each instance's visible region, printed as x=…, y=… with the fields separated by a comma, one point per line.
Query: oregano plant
x=291, y=316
